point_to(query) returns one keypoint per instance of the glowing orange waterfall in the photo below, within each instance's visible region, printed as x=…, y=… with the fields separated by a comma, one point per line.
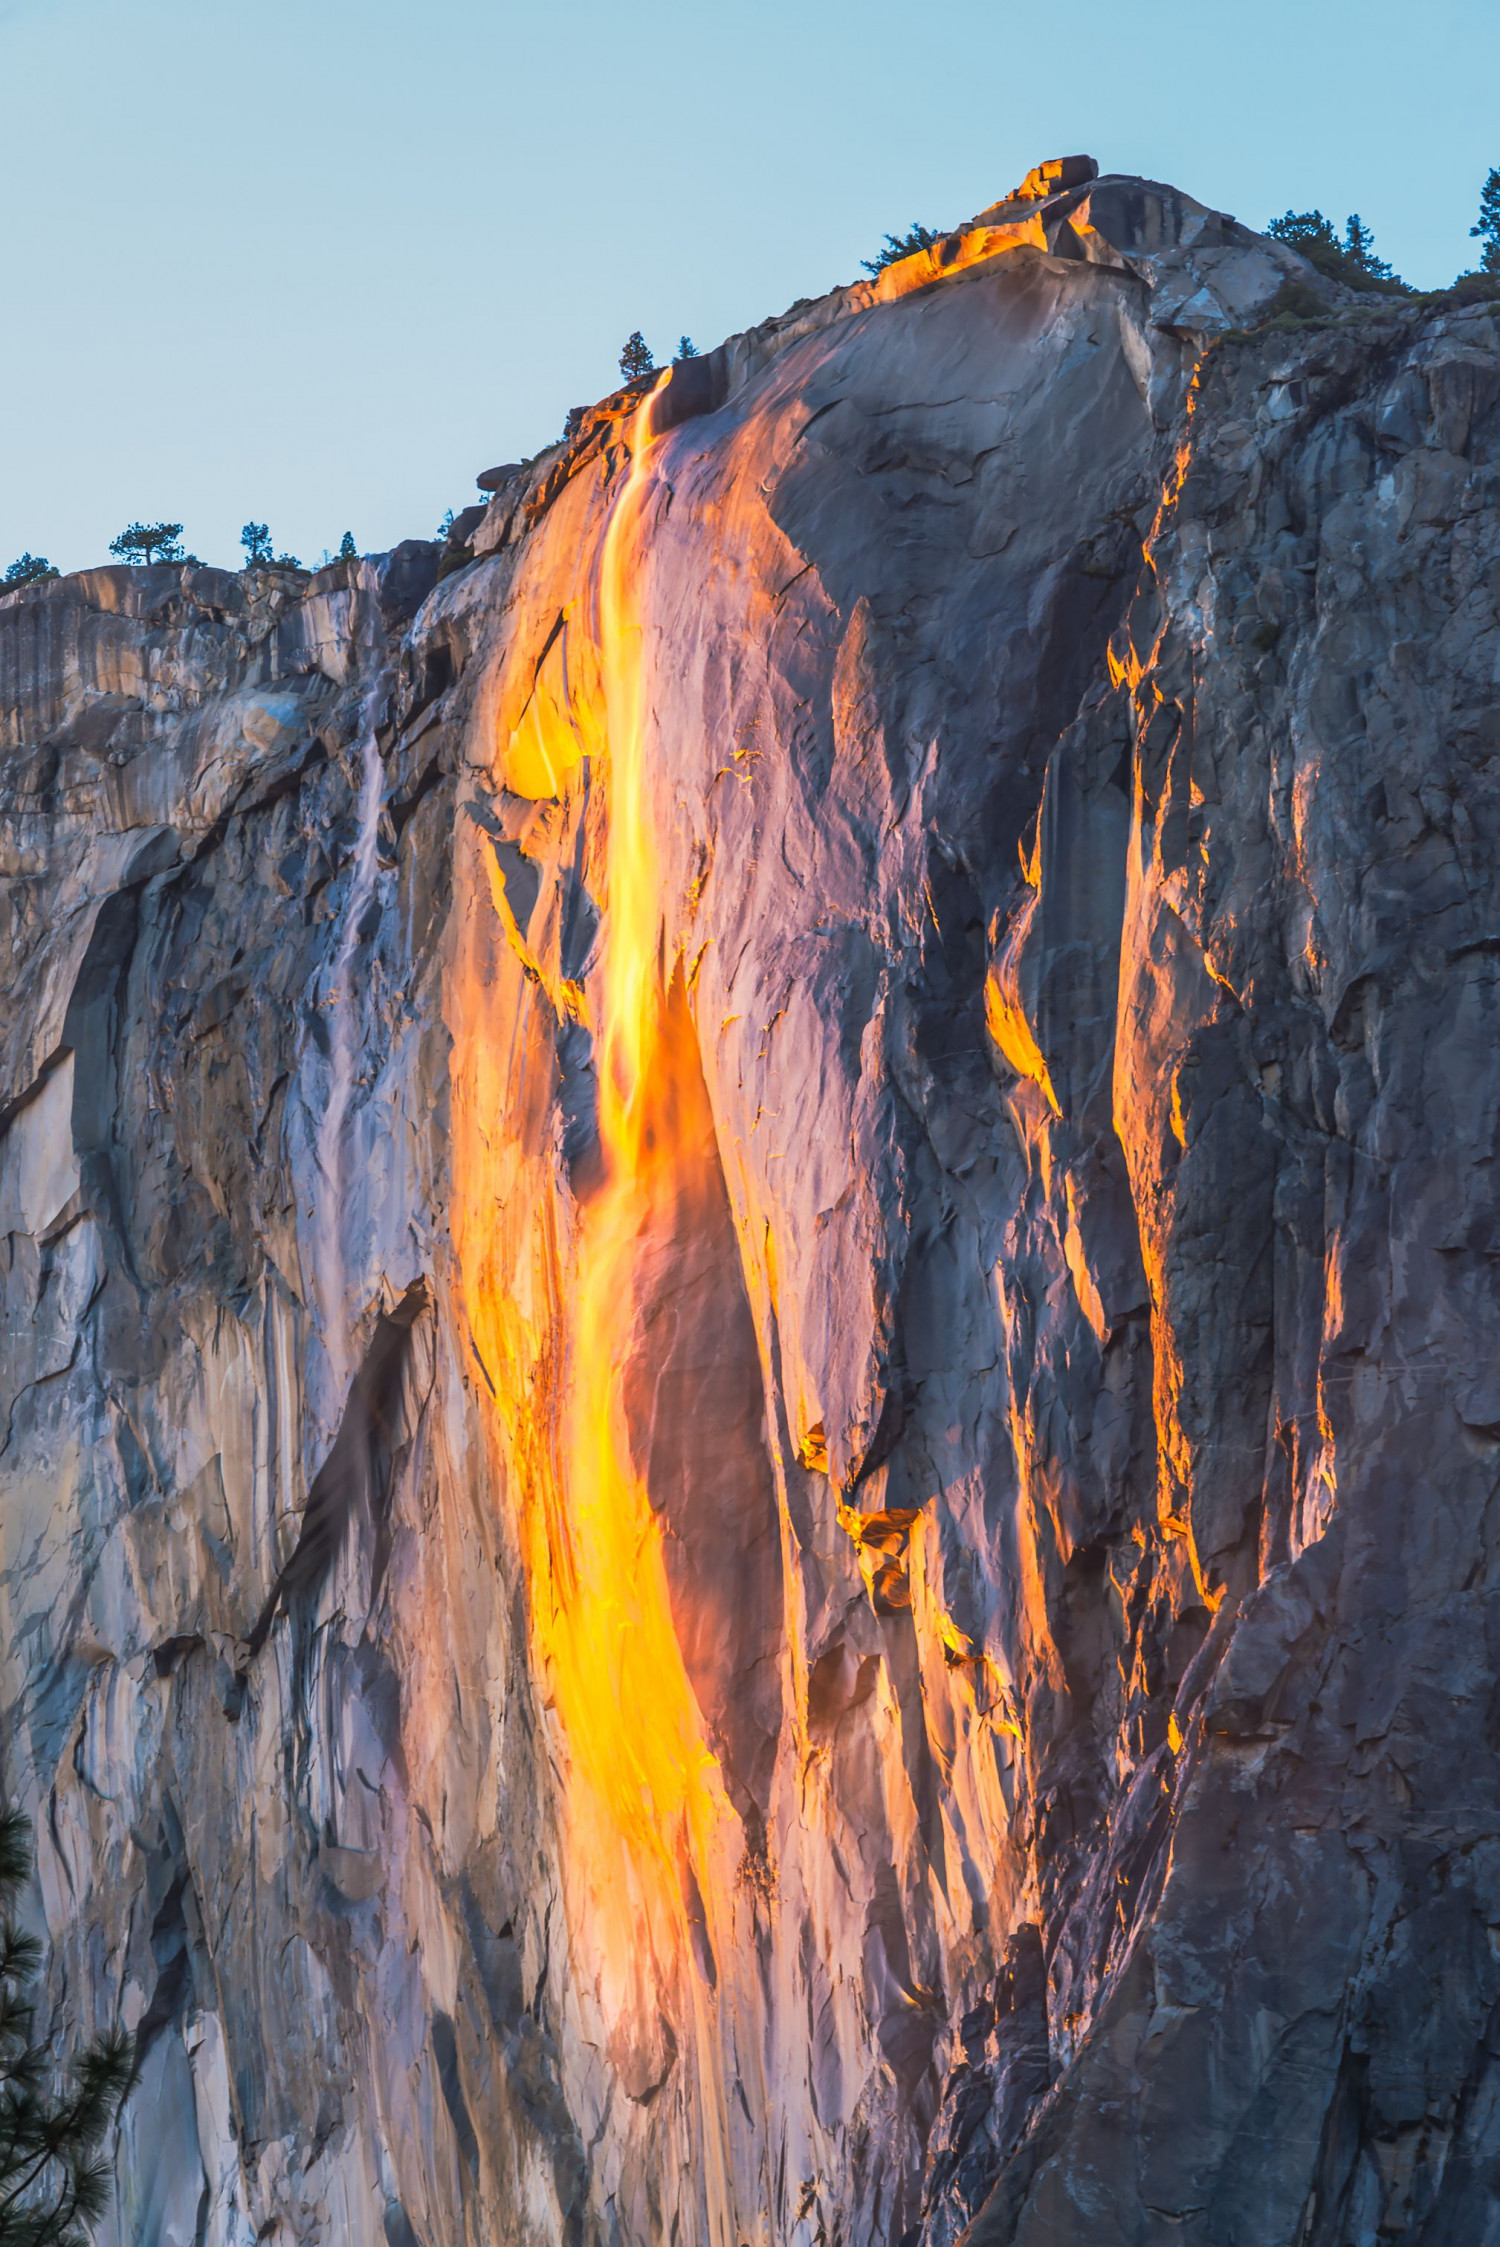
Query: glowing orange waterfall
x=651, y=1842
x=645, y=1781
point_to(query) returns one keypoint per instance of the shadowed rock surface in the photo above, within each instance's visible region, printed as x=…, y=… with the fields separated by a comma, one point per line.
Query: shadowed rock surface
x=988, y=789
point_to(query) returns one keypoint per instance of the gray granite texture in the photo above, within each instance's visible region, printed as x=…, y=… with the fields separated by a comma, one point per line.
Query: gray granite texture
x=749, y=1401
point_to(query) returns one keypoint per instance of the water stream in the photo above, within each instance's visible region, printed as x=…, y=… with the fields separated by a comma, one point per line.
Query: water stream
x=344, y=1043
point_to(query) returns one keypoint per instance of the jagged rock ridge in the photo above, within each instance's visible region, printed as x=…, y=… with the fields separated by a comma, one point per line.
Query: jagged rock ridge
x=749, y=1424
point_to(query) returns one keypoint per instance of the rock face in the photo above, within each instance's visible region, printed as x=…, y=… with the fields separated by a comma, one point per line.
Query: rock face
x=749, y=1285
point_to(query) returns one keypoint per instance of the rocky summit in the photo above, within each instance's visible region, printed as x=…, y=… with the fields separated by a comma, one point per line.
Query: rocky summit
x=751, y=1418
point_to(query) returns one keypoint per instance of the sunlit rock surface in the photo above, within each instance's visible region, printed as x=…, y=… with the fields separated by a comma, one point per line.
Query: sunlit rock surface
x=750, y=1402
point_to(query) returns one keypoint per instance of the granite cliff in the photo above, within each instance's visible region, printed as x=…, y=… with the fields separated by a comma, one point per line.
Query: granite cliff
x=750, y=1406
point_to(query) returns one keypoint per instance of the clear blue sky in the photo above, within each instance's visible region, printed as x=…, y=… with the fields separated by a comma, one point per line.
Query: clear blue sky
x=321, y=261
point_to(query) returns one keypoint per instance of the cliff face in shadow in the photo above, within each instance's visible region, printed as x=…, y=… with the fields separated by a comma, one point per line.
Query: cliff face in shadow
x=749, y=1390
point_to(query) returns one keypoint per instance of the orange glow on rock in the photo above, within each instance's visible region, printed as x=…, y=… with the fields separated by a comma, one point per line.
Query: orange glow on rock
x=650, y=1834
x=607, y=1639
x=646, y=1790
x=1005, y=1019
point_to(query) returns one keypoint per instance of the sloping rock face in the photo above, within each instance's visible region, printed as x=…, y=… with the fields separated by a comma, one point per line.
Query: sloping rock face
x=749, y=1307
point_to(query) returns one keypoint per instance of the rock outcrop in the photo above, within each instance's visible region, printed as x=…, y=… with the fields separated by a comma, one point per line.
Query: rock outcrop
x=750, y=1411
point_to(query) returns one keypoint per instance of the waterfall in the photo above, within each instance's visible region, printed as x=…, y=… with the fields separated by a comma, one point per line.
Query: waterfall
x=343, y=1047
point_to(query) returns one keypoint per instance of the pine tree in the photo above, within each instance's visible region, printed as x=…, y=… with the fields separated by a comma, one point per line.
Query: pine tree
x=1359, y=249
x=898, y=246
x=28, y=569
x=1351, y=261
x=149, y=542
x=686, y=348
x=1488, y=229
x=348, y=551
x=256, y=540
x=54, y=2181
x=1309, y=232
x=636, y=359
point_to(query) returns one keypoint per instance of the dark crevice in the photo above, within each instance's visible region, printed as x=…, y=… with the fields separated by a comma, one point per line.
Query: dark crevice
x=356, y=1474
x=445, y=2050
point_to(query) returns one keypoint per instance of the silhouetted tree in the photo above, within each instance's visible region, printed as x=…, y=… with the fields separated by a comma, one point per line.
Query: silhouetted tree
x=686, y=348
x=898, y=246
x=149, y=542
x=348, y=551
x=1307, y=232
x=636, y=357
x=28, y=569
x=54, y=2180
x=1351, y=261
x=1488, y=229
x=256, y=540
x=1359, y=250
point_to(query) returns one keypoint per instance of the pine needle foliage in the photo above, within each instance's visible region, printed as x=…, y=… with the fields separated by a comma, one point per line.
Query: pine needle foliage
x=1351, y=261
x=54, y=2177
x=636, y=357
x=898, y=246
x=149, y=542
x=1488, y=228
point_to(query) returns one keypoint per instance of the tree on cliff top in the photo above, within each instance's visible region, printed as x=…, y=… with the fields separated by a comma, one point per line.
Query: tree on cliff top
x=1351, y=261
x=28, y=569
x=1359, y=252
x=636, y=357
x=256, y=540
x=54, y=2181
x=149, y=542
x=1488, y=229
x=898, y=246
x=348, y=551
